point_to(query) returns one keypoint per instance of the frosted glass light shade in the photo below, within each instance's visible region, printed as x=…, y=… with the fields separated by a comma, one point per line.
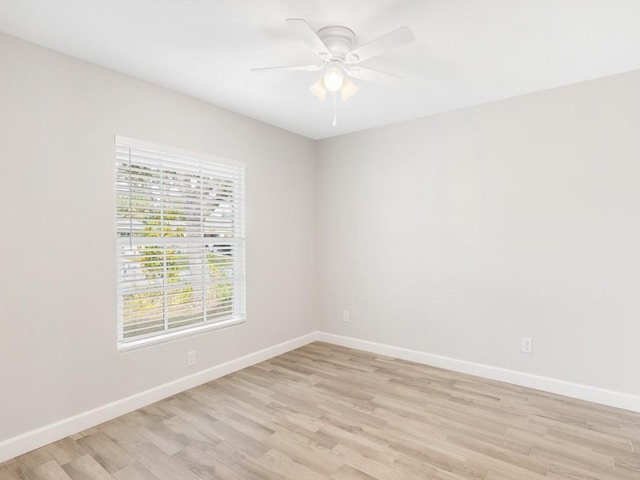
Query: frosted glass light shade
x=318, y=89
x=333, y=79
x=348, y=89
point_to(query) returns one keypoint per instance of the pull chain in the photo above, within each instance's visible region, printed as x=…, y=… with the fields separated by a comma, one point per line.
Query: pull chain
x=335, y=117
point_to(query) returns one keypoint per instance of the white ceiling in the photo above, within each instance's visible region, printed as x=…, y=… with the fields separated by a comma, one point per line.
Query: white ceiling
x=467, y=52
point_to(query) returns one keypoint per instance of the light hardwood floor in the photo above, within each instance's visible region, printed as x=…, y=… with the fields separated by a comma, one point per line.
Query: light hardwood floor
x=327, y=412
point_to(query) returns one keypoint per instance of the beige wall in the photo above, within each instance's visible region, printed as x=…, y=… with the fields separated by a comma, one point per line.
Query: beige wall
x=58, y=117
x=459, y=234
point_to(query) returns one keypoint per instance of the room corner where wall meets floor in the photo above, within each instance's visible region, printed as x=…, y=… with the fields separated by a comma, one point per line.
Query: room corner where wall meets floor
x=42, y=436
x=323, y=411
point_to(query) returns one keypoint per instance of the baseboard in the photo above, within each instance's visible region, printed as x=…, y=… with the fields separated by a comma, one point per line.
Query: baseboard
x=28, y=441
x=575, y=390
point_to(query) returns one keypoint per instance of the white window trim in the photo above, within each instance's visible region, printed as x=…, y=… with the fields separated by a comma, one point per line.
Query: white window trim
x=239, y=300
x=178, y=151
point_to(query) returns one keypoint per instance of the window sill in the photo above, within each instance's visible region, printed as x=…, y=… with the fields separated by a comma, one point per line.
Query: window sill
x=178, y=334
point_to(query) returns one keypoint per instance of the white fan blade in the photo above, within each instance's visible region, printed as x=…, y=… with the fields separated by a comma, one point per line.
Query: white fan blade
x=291, y=68
x=394, y=39
x=306, y=33
x=373, y=76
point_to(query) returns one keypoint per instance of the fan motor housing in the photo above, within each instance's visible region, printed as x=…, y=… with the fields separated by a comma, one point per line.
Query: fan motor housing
x=339, y=40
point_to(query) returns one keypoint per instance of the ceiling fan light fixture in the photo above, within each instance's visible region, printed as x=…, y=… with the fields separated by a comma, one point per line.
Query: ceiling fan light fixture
x=336, y=46
x=333, y=79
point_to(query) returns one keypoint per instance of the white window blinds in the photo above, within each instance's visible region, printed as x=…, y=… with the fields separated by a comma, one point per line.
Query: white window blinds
x=180, y=235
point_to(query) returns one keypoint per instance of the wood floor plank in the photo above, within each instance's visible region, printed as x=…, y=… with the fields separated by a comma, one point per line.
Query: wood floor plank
x=105, y=451
x=33, y=459
x=11, y=471
x=86, y=468
x=205, y=466
x=134, y=471
x=153, y=429
x=329, y=412
x=50, y=470
x=65, y=450
x=160, y=464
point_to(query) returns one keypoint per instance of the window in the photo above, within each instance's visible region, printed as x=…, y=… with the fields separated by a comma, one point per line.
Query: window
x=180, y=240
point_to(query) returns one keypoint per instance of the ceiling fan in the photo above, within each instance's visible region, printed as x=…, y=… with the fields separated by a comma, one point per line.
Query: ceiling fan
x=341, y=57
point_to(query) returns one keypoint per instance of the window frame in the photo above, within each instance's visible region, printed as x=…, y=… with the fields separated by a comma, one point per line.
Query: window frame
x=238, y=314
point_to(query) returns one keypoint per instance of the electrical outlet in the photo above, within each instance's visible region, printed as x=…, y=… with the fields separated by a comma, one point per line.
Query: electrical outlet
x=191, y=358
x=526, y=345
x=345, y=315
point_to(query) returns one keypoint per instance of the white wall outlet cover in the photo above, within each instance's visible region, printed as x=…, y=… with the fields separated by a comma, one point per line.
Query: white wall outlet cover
x=191, y=358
